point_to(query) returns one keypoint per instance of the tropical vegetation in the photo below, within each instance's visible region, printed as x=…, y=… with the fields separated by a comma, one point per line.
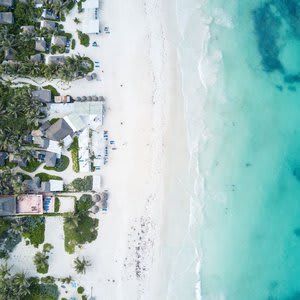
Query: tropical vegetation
x=75, y=154
x=19, y=115
x=80, y=265
x=13, y=287
x=41, y=262
x=84, y=39
x=79, y=227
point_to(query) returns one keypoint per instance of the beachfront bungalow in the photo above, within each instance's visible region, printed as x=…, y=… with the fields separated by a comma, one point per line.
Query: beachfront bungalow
x=55, y=60
x=42, y=95
x=91, y=23
x=36, y=58
x=40, y=45
x=30, y=204
x=31, y=185
x=50, y=159
x=6, y=18
x=59, y=41
x=59, y=130
x=41, y=142
x=14, y=158
x=49, y=25
x=7, y=205
x=27, y=29
x=3, y=158
x=6, y=3
x=48, y=14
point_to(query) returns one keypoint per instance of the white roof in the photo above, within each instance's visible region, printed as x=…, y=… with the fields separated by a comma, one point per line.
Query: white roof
x=55, y=148
x=90, y=4
x=88, y=108
x=96, y=183
x=98, y=143
x=84, y=153
x=67, y=141
x=76, y=121
x=56, y=185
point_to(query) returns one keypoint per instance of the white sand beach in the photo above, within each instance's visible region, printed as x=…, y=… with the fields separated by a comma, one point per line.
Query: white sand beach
x=140, y=235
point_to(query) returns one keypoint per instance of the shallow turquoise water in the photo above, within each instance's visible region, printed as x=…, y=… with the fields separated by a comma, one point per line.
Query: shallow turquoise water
x=250, y=235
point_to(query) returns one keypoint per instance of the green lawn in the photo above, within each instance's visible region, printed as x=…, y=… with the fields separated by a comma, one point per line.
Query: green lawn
x=32, y=166
x=47, y=177
x=52, y=89
x=75, y=155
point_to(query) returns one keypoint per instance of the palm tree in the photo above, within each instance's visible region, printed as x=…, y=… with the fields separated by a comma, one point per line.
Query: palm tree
x=20, y=285
x=80, y=265
x=4, y=271
x=77, y=21
x=71, y=220
x=17, y=226
x=41, y=261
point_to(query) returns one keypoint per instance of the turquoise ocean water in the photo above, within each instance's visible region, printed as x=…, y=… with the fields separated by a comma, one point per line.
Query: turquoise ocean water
x=241, y=81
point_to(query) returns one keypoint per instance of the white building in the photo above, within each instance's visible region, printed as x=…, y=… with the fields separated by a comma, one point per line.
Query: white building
x=98, y=148
x=84, y=152
x=91, y=24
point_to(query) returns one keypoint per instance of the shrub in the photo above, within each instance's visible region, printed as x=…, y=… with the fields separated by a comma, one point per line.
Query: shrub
x=75, y=154
x=83, y=38
x=52, y=89
x=41, y=262
x=80, y=290
x=84, y=184
x=42, y=291
x=56, y=205
x=73, y=44
x=53, y=120
x=47, y=247
x=48, y=279
x=34, y=230
x=47, y=177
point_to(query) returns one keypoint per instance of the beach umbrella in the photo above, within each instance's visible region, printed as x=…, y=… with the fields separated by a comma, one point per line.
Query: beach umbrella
x=89, y=98
x=78, y=99
x=84, y=98
x=96, y=198
x=95, y=98
x=95, y=209
x=101, y=98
